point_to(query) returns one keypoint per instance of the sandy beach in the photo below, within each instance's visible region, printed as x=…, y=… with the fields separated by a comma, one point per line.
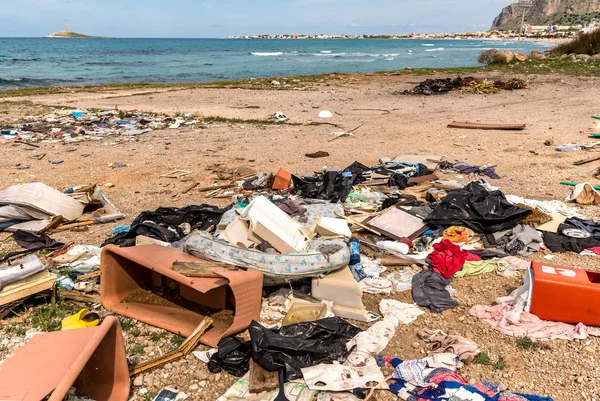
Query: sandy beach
x=554, y=107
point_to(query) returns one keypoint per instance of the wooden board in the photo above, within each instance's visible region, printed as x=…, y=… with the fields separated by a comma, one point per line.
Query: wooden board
x=39, y=282
x=76, y=296
x=501, y=127
x=202, y=269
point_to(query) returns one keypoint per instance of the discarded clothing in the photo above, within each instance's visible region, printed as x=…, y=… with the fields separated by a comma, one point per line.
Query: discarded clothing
x=293, y=208
x=429, y=290
x=530, y=325
x=445, y=384
x=447, y=258
x=32, y=243
x=300, y=345
x=521, y=240
x=584, y=194
x=478, y=209
x=458, y=234
x=233, y=356
x=439, y=342
x=561, y=243
x=476, y=268
x=466, y=168
x=164, y=224
x=589, y=226
x=489, y=253
x=549, y=207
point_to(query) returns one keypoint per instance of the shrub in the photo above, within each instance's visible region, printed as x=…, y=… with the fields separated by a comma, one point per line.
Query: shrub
x=492, y=56
x=586, y=43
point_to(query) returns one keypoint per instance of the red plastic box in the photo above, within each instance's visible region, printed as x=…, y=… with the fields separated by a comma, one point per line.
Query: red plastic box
x=565, y=294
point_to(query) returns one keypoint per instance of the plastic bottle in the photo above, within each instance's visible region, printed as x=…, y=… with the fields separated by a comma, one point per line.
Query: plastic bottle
x=354, y=246
x=571, y=147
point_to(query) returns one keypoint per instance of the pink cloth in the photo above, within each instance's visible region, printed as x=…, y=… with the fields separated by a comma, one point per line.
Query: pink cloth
x=530, y=325
x=447, y=259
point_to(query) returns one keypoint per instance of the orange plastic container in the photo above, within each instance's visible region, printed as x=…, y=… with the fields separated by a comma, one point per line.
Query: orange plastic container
x=283, y=179
x=565, y=294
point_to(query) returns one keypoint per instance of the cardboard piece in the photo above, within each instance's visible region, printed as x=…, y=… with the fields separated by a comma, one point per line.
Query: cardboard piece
x=397, y=224
x=331, y=227
x=273, y=225
x=345, y=292
x=429, y=161
x=552, y=225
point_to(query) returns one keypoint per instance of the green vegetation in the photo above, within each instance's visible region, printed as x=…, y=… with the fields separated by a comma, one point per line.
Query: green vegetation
x=3, y=349
x=138, y=349
x=135, y=332
x=177, y=340
x=157, y=336
x=150, y=396
x=500, y=364
x=126, y=324
x=49, y=317
x=527, y=343
x=586, y=43
x=482, y=359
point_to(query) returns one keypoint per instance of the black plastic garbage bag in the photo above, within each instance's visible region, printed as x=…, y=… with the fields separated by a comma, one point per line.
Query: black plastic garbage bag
x=163, y=224
x=333, y=185
x=300, y=345
x=233, y=356
x=477, y=208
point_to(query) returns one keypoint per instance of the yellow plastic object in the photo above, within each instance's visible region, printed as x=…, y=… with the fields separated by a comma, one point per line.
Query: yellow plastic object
x=301, y=312
x=80, y=320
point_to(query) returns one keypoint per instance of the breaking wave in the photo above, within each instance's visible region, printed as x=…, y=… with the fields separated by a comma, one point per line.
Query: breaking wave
x=267, y=54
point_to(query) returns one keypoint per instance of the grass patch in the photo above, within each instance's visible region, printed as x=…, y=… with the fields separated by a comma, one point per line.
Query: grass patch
x=48, y=318
x=482, y=359
x=138, y=349
x=177, y=340
x=500, y=364
x=157, y=336
x=135, y=332
x=126, y=324
x=3, y=349
x=527, y=343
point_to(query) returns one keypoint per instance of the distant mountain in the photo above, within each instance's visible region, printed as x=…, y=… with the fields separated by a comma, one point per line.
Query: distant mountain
x=549, y=12
x=69, y=35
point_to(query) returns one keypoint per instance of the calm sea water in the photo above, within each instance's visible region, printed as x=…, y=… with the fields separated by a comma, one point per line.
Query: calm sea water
x=26, y=62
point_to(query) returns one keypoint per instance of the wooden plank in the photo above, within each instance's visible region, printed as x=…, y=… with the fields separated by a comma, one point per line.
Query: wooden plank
x=586, y=161
x=89, y=276
x=393, y=261
x=352, y=221
x=424, y=178
x=185, y=348
x=188, y=189
x=76, y=296
x=213, y=187
x=202, y=269
x=501, y=127
x=39, y=282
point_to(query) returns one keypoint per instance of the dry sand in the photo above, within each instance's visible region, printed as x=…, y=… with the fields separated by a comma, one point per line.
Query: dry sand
x=553, y=107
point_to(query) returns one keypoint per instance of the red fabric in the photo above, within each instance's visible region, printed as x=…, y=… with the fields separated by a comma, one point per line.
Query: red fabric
x=448, y=259
x=595, y=250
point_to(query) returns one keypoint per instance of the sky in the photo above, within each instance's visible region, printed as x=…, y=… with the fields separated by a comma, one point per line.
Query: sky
x=222, y=18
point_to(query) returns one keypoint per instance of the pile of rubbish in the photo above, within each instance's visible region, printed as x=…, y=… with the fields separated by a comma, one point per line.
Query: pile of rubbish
x=441, y=86
x=288, y=263
x=70, y=126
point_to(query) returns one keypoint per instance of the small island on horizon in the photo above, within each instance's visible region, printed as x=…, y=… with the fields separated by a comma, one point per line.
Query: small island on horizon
x=67, y=34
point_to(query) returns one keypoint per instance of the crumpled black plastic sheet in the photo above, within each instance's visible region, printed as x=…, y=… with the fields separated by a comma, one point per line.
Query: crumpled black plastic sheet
x=300, y=345
x=233, y=356
x=332, y=186
x=477, y=208
x=163, y=224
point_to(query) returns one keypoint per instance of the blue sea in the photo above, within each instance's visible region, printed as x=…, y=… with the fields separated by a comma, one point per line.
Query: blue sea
x=28, y=62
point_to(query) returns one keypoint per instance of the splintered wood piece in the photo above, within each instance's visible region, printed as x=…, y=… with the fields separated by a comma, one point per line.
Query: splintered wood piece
x=502, y=127
x=185, y=348
x=202, y=269
x=76, y=296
